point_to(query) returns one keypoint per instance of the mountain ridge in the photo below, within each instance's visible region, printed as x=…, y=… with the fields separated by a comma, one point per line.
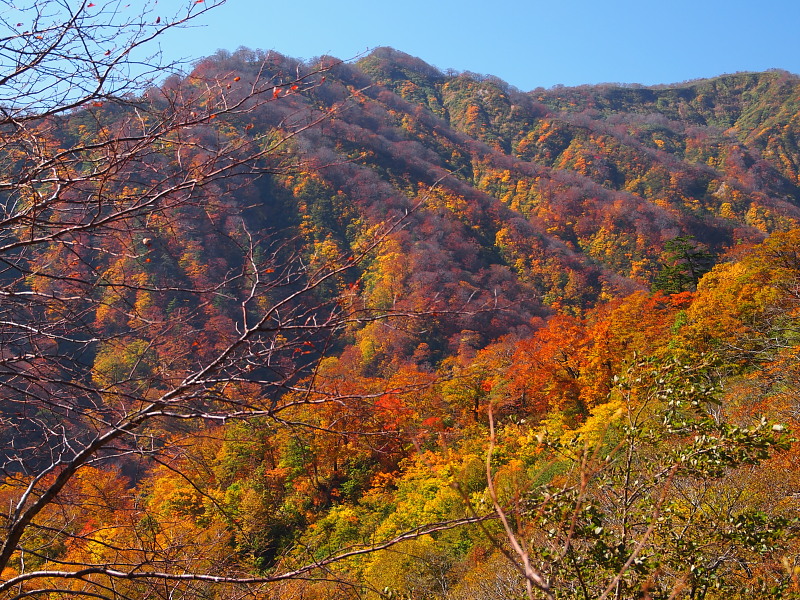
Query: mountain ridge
x=371, y=331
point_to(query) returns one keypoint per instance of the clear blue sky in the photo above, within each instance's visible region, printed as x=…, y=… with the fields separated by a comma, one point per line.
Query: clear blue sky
x=527, y=43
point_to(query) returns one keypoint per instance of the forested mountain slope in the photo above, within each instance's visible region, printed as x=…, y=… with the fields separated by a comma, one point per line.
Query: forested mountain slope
x=275, y=329
x=589, y=182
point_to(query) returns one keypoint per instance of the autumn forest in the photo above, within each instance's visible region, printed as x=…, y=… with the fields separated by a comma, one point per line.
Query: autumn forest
x=367, y=330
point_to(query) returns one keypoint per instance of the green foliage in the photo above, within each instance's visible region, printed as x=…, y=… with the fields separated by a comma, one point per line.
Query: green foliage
x=684, y=264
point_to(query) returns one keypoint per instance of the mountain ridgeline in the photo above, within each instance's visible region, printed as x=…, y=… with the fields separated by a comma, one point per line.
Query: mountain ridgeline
x=372, y=331
x=527, y=201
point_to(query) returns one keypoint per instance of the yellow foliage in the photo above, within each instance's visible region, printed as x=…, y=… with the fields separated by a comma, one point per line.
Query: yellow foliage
x=726, y=211
x=593, y=429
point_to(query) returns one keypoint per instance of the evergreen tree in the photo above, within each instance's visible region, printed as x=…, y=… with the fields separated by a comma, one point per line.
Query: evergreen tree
x=684, y=262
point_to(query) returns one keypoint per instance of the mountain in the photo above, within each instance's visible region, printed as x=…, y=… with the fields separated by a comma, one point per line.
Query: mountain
x=284, y=329
x=551, y=198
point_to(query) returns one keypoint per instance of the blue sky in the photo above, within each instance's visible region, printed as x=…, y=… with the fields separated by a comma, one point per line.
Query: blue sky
x=527, y=43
